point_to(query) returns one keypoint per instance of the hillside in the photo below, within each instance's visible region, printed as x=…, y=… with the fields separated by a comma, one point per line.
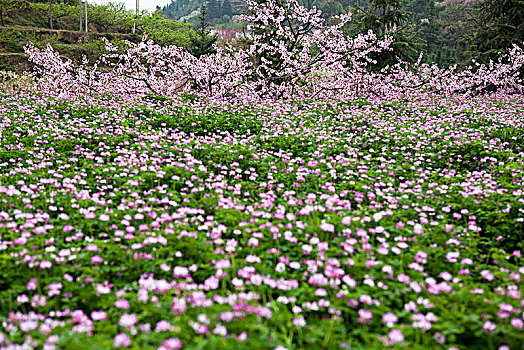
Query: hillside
x=28, y=21
x=71, y=44
x=185, y=10
x=220, y=12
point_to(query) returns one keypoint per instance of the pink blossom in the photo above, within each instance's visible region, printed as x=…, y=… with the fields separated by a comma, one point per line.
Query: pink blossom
x=127, y=320
x=122, y=304
x=91, y=247
x=171, y=344
x=98, y=315
x=96, y=259
x=123, y=340
x=299, y=322
x=389, y=319
x=364, y=316
x=32, y=284
x=418, y=229
x=517, y=323
x=179, y=306
x=488, y=327
x=394, y=337
x=163, y=326
x=45, y=264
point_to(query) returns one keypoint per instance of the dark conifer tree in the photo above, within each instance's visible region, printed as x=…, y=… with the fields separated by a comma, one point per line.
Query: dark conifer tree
x=497, y=24
x=390, y=18
x=202, y=42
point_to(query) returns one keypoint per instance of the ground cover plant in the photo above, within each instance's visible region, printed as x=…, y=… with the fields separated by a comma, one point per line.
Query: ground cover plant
x=280, y=196
x=341, y=224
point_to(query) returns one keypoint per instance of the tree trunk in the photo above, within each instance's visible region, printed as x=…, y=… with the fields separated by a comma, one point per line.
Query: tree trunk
x=85, y=14
x=80, y=8
x=51, y=14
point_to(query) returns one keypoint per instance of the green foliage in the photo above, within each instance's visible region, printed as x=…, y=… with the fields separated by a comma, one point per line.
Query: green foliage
x=30, y=23
x=165, y=31
x=110, y=18
x=97, y=47
x=213, y=8
x=226, y=8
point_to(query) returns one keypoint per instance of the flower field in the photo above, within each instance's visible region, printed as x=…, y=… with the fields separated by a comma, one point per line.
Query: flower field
x=185, y=224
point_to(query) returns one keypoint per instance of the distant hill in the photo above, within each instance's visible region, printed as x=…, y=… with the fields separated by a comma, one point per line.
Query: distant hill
x=220, y=12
